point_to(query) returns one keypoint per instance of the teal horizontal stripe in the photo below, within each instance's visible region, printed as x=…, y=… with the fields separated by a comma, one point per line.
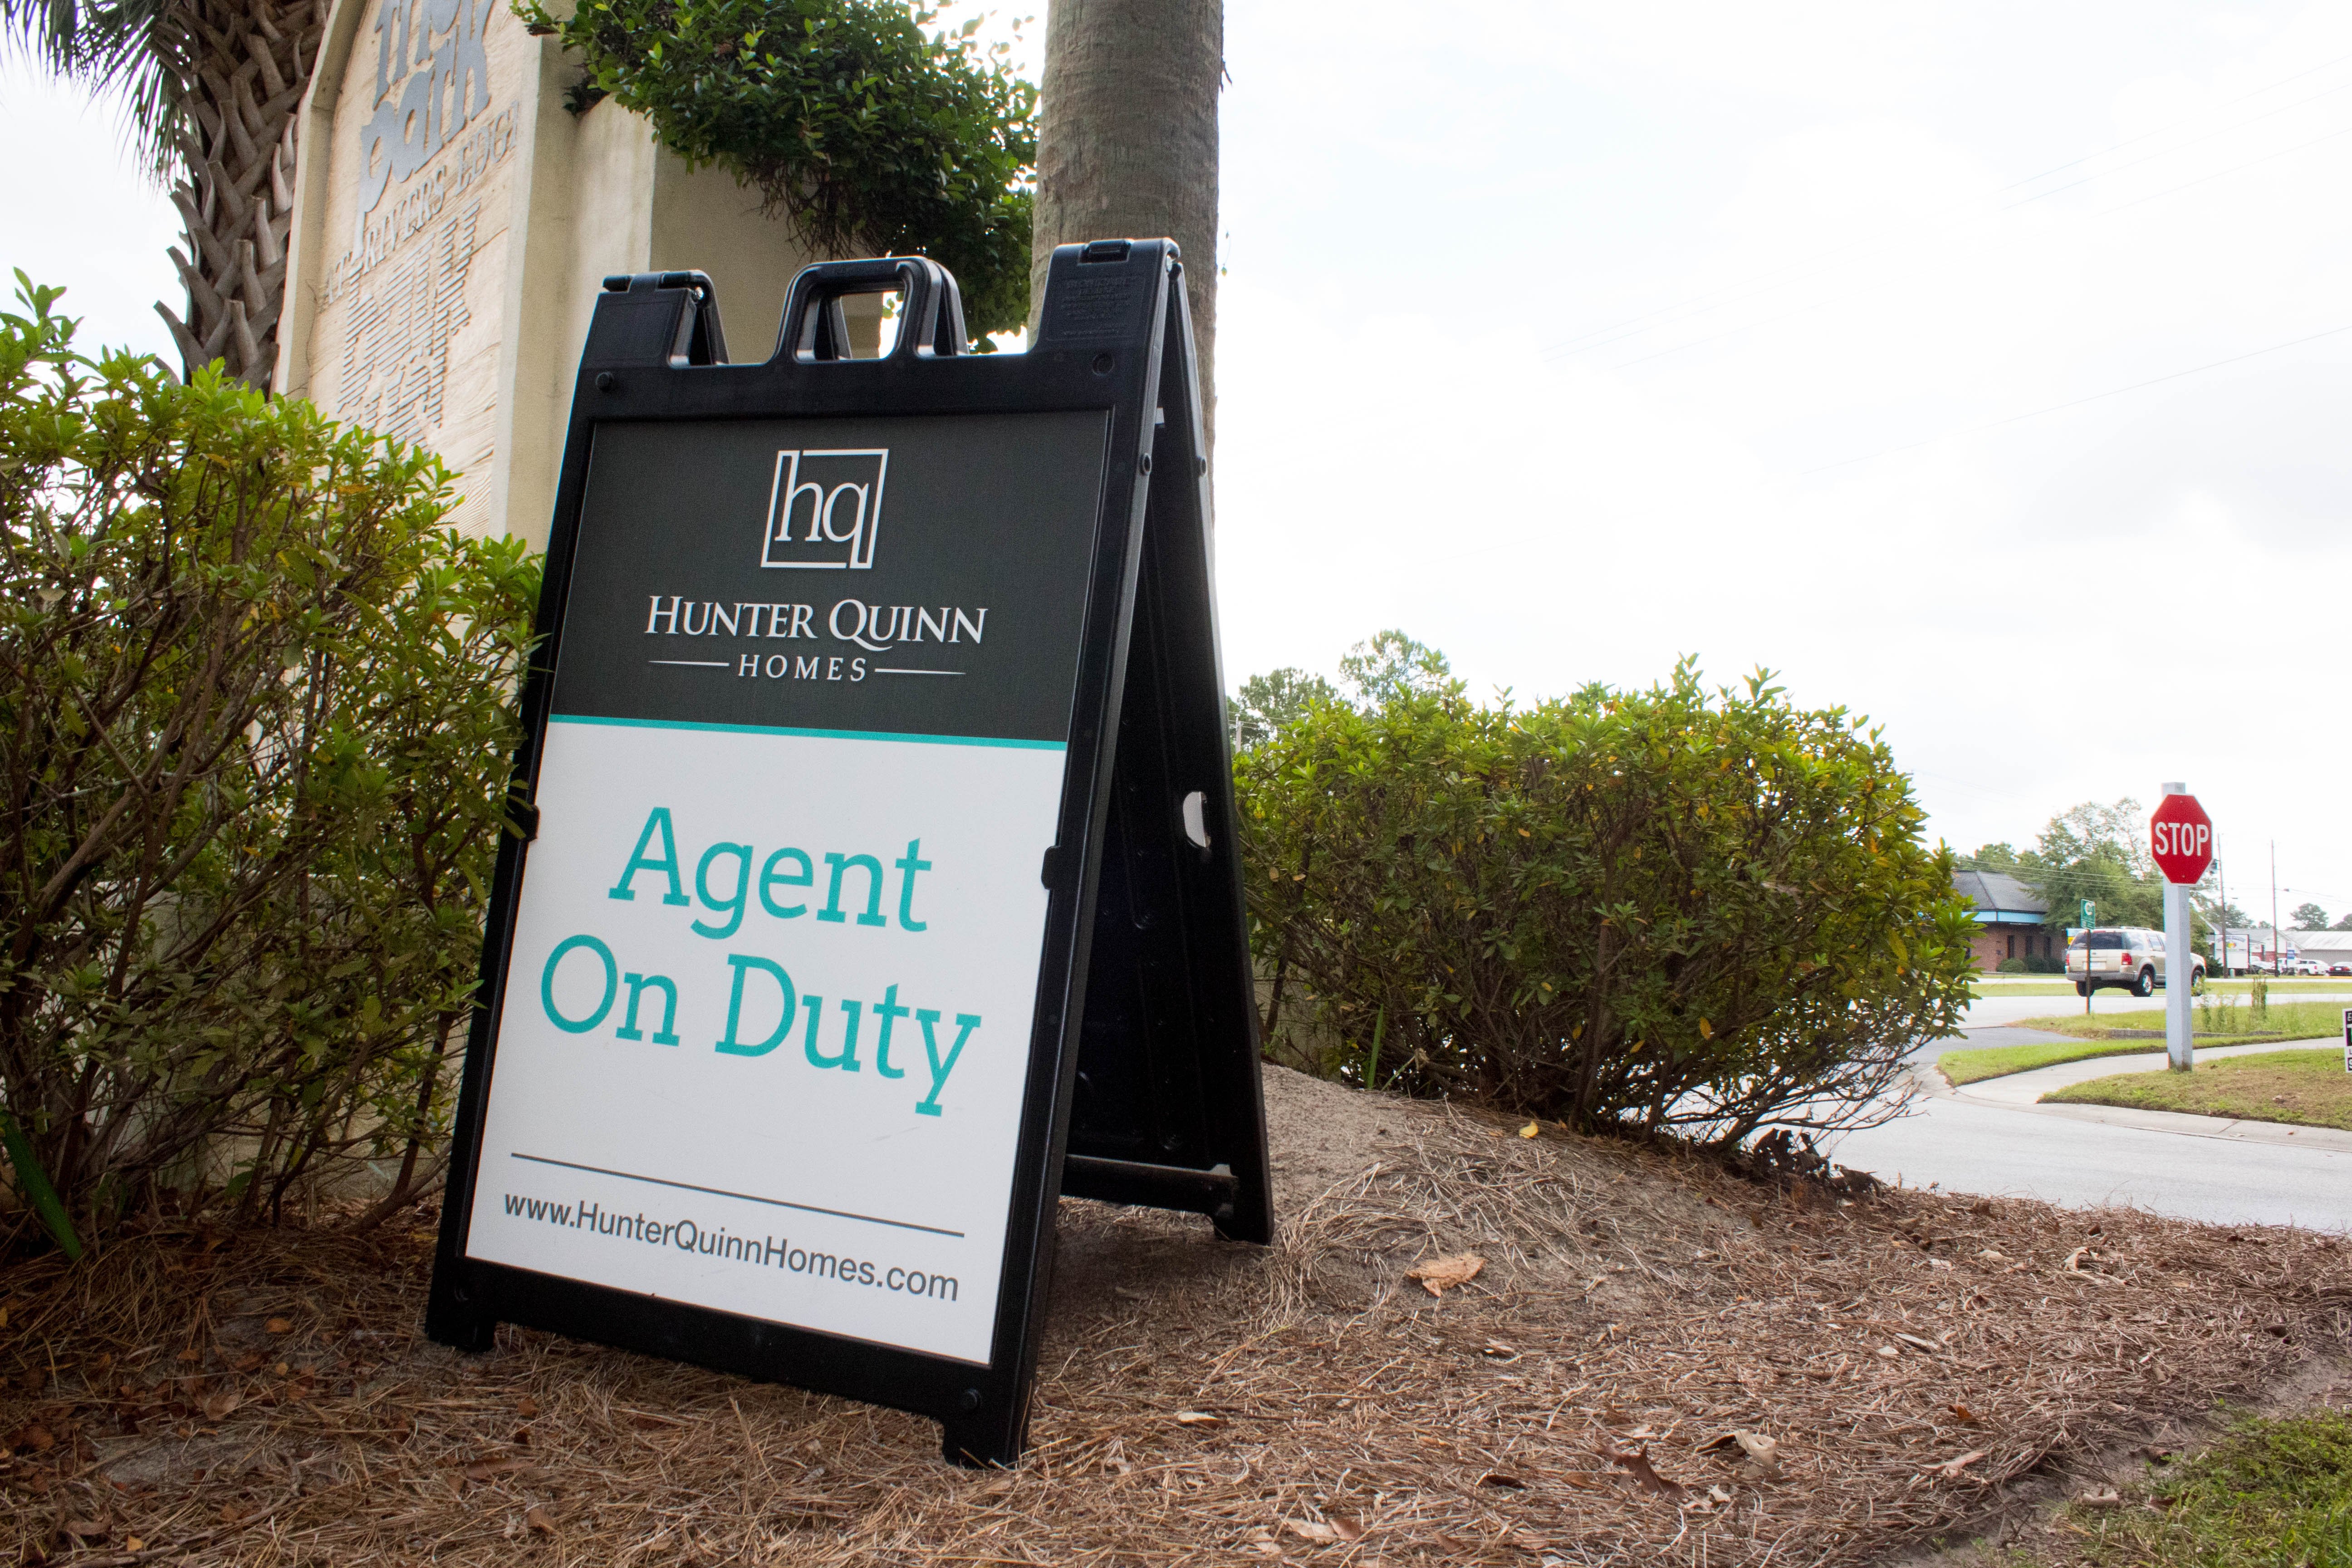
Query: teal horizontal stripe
x=812, y=734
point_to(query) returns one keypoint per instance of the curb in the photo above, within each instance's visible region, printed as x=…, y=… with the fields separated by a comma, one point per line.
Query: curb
x=2325, y=1139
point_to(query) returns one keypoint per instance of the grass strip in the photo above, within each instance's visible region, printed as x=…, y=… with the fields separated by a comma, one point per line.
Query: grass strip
x=2000, y=1061
x=2272, y=1493
x=2212, y=1022
x=2051, y=985
x=2309, y=1089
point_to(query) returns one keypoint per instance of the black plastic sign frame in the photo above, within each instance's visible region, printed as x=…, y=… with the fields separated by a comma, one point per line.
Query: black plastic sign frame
x=877, y=878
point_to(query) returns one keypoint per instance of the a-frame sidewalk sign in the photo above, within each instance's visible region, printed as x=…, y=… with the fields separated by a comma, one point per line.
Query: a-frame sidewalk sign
x=875, y=881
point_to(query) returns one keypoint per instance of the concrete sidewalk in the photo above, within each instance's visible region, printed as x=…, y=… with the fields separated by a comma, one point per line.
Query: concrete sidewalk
x=2023, y=1091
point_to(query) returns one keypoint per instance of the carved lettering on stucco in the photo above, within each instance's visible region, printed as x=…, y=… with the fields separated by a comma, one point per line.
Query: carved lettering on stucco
x=431, y=78
x=397, y=334
x=414, y=208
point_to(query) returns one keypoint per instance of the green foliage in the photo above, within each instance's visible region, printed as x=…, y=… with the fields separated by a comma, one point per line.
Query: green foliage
x=2010, y=966
x=2308, y=917
x=2100, y=853
x=2275, y=1493
x=1987, y=858
x=843, y=114
x=1664, y=909
x=1391, y=666
x=256, y=708
x=1268, y=704
x=33, y=1184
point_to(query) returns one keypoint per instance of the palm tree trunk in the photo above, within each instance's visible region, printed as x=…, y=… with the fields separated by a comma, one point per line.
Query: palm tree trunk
x=1126, y=142
x=244, y=65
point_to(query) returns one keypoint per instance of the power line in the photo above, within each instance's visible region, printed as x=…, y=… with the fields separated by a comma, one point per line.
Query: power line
x=2103, y=212
x=2079, y=402
x=1767, y=281
x=2168, y=152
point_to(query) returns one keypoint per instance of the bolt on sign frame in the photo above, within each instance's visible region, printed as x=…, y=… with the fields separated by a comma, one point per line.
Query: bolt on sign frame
x=874, y=880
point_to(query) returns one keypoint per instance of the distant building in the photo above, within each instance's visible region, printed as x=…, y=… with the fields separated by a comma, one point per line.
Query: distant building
x=2259, y=949
x=2327, y=946
x=2010, y=918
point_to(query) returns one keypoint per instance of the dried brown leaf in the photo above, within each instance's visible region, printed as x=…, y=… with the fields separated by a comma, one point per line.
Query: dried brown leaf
x=1636, y=1463
x=539, y=1519
x=1198, y=1418
x=1950, y=1468
x=1441, y=1275
x=279, y=1325
x=1310, y=1529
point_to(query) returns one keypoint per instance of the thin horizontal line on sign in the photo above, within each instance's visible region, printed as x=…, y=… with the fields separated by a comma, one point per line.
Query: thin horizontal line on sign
x=879, y=671
x=747, y=1197
x=806, y=565
x=812, y=734
x=693, y=663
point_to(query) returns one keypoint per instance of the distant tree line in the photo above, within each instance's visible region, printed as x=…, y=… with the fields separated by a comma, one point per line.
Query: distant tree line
x=2100, y=853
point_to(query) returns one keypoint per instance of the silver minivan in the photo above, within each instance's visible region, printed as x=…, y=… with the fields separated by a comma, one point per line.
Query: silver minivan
x=2128, y=956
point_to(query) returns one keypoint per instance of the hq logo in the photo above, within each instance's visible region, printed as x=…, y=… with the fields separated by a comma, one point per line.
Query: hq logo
x=824, y=509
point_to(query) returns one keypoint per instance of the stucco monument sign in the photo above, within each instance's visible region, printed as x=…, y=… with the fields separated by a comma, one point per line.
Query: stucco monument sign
x=880, y=882
x=453, y=216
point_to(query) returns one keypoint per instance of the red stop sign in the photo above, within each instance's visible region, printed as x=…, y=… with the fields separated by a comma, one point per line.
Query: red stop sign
x=2180, y=835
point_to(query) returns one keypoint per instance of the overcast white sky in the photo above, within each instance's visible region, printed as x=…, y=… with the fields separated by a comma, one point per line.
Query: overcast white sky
x=1571, y=339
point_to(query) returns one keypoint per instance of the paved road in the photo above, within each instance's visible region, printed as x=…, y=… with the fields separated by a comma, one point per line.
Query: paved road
x=1979, y=1145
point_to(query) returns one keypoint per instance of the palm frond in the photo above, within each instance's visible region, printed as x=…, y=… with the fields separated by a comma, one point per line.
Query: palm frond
x=129, y=48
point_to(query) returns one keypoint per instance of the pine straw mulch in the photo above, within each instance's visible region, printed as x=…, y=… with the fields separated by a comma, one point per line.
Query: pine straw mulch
x=267, y=1397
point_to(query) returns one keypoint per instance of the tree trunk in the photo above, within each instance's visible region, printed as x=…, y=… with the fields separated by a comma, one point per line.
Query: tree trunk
x=1126, y=141
x=244, y=65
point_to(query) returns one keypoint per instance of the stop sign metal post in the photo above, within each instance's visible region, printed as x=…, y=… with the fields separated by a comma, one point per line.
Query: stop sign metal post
x=2180, y=837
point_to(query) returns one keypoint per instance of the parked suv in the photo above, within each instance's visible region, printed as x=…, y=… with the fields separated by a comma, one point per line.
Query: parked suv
x=2128, y=956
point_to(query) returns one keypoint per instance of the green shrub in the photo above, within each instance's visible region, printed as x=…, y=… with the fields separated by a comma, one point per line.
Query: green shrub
x=2010, y=966
x=2042, y=963
x=1661, y=909
x=257, y=710
x=868, y=135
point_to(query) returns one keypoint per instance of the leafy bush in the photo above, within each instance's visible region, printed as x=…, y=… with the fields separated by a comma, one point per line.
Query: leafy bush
x=256, y=710
x=870, y=136
x=1659, y=908
x=2046, y=964
x=2010, y=966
